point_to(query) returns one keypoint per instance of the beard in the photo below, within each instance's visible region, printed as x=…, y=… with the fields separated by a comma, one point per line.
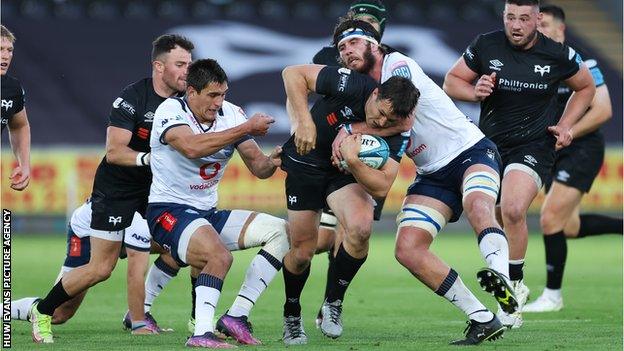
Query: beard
x=369, y=60
x=528, y=40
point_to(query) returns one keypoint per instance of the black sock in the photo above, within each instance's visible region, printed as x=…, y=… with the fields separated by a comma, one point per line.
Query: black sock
x=293, y=285
x=329, y=284
x=556, y=253
x=56, y=297
x=193, y=296
x=345, y=268
x=515, y=271
x=593, y=224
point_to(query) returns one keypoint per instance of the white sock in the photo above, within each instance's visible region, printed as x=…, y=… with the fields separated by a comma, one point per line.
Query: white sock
x=454, y=290
x=495, y=250
x=21, y=307
x=259, y=275
x=155, y=282
x=553, y=294
x=207, y=291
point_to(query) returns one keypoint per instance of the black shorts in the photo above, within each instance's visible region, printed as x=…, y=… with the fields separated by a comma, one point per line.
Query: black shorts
x=114, y=213
x=307, y=187
x=578, y=164
x=538, y=156
x=379, y=204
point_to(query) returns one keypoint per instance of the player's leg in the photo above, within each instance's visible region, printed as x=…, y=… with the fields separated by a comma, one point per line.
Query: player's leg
x=192, y=240
x=242, y=230
x=480, y=189
x=104, y=255
x=137, y=267
x=329, y=238
x=354, y=209
x=420, y=220
x=303, y=231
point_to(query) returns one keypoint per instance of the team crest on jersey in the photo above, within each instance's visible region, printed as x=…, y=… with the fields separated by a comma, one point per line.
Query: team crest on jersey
x=542, y=69
x=7, y=104
x=496, y=64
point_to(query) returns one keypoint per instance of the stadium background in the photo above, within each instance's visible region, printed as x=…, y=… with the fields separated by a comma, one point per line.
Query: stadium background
x=73, y=57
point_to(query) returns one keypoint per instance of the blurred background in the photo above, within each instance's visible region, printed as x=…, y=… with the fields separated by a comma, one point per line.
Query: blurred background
x=73, y=57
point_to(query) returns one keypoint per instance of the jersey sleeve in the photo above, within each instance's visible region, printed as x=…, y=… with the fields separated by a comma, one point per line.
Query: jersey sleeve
x=342, y=82
x=472, y=55
x=397, y=144
x=326, y=56
x=595, y=71
x=123, y=113
x=569, y=62
x=168, y=115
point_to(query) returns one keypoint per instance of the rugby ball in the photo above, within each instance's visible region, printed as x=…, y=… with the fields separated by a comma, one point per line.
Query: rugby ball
x=374, y=152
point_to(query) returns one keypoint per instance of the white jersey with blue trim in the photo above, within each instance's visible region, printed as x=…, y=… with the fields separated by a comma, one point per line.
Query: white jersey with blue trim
x=137, y=236
x=441, y=131
x=180, y=180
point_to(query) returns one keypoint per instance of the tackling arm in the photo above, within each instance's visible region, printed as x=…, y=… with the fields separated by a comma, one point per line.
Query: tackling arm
x=260, y=165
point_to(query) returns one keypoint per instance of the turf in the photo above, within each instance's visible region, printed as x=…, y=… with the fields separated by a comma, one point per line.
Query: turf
x=385, y=308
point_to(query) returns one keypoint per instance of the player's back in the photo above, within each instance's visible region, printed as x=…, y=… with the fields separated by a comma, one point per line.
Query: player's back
x=177, y=179
x=441, y=131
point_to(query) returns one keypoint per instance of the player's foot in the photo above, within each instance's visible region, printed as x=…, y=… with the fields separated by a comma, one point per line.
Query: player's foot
x=208, y=340
x=41, y=326
x=494, y=283
x=544, y=304
x=331, y=325
x=144, y=328
x=514, y=320
x=319, y=318
x=293, y=331
x=239, y=328
x=478, y=332
x=150, y=322
x=20, y=309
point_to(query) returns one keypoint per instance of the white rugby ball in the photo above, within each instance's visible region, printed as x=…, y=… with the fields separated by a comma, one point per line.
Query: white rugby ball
x=374, y=152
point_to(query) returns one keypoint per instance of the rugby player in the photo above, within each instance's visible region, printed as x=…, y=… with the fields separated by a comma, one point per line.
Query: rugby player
x=576, y=167
x=123, y=178
x=14, y=114
x=519, y=71
x=458, y=168
x=193, y=139
x=137, y=243
x=312, y=181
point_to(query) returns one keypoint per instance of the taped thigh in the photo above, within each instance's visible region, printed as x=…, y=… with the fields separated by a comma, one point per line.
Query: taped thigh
x=526, y=169
x=422, y=217
x=328, y=221
x=483, y=182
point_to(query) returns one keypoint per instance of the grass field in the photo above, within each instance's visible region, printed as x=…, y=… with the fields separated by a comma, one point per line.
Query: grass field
x=385, y=308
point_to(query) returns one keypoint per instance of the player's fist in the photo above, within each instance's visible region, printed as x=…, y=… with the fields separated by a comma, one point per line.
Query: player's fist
x=563, y=135
x=276, y=156
x=20, y=177
x=485, y=86
x=259, y=124
x=350, y=147
x=305, y=137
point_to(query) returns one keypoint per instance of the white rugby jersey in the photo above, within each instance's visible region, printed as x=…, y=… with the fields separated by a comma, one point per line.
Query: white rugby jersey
x=137, y=235
x=441, y=131
x=177, y=179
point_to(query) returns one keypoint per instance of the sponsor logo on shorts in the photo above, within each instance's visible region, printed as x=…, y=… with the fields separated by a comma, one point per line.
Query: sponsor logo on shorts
x=140, y=238
x=563, y=176
x=167, y=221
x=292, y=199
x=490, y=153
x=530, y=160
x=114, y=220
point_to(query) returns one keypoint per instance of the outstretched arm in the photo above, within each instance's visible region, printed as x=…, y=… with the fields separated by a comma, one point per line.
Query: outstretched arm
x=259, y=164
x=19, y=135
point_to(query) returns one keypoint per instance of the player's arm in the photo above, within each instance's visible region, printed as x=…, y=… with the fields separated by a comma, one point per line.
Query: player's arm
x=259, y=164
x=192, y=145
x=19, y=135
x=584, y=90
x=119, y=132
x=376, y=182
x=599, y=112
x=299, y=81
x=458, y=83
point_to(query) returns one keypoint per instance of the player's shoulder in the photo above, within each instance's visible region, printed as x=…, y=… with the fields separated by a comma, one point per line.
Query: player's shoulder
x=398, y=64
x=173, y=103
x=589, y=59
x=553, y=48
x=10, y=82
x=493, y=38
x=328, y=56
x=233, y=111
x=139, y=87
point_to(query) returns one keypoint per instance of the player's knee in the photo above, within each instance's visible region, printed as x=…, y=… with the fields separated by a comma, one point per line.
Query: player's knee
x=408, y=253
x=358, y=232
x=480, y=210
x=221, y=257
x=102, y=273
x=269, y=232
x=302, y=256
x=550, y=221
x=513, y=213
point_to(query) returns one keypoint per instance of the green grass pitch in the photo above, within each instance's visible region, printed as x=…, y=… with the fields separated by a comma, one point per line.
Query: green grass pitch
x=385, y=309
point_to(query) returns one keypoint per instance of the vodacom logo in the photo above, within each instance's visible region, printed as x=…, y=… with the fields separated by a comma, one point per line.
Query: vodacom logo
x=209, y=170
